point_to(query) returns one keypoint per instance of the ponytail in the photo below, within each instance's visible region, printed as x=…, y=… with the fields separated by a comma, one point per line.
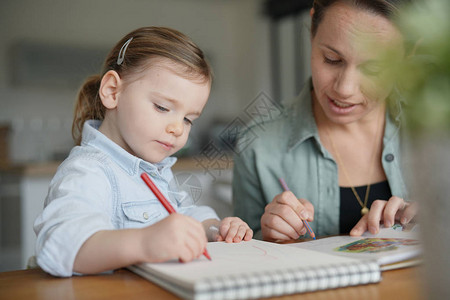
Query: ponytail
x=88, y=106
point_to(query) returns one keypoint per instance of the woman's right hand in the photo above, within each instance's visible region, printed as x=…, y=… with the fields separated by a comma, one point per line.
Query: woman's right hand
x=282, y=219
x=175, y=237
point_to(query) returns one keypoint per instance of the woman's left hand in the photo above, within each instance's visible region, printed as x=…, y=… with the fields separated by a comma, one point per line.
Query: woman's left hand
x=395, y=209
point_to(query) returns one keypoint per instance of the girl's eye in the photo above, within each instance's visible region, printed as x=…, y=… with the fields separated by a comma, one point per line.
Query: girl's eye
x=331, y=61
x=189, y=122
x=160, y=108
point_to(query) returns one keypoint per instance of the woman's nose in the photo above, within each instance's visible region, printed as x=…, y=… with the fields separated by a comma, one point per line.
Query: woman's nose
x=347, y=83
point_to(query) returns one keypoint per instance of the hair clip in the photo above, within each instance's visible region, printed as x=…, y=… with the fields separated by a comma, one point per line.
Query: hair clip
x=122, y=51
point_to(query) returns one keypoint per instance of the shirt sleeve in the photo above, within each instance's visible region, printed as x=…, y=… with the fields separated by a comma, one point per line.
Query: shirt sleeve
x=248, y=201
x=186, y=206
x=77, y=206
x=200, y=213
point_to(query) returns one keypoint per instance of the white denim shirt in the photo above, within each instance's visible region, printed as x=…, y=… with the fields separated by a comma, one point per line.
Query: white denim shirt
x=98, y=187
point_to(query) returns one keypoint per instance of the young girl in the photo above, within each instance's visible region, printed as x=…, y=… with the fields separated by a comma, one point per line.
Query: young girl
x=99, y=214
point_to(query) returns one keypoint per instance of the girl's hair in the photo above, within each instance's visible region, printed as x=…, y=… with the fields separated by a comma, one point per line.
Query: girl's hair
x=386, y=8
x=132, y=54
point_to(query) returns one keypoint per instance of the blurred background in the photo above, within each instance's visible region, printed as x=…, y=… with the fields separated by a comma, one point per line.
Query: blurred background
x=49, y=47
x=258, y=49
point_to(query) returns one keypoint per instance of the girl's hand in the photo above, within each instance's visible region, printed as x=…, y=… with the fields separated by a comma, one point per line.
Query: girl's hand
x=395, y=209
x=233, y=230
x=175, y=237
x=282, y=219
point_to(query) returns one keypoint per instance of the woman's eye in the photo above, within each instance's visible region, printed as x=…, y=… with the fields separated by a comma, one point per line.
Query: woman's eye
x=331, y=61
x=160, y=108
x=189, y=122
x=372, y=70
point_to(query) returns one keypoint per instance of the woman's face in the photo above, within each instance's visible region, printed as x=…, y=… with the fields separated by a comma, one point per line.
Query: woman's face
x=351, y=75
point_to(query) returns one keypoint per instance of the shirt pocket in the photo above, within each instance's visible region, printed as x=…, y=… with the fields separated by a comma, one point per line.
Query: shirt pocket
x=142, y=213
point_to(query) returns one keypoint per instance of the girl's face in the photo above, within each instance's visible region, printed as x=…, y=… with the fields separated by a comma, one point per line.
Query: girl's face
x=154, y=113
x=350, y=73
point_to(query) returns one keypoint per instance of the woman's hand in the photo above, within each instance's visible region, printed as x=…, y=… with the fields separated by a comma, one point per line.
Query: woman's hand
x=282, y=219
x=395, y=209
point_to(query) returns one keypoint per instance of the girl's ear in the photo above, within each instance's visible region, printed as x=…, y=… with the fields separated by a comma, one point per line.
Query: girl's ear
x=109, y=89
x=311, y=12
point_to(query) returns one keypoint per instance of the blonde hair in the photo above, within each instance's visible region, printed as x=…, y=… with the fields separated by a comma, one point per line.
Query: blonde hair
x=146, y=43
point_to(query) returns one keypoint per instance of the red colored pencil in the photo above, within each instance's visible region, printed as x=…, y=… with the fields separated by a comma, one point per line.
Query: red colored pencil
x=164, y=201
x=310, y=231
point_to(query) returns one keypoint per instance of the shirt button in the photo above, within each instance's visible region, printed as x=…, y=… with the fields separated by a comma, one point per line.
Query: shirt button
x=389, y=157
x=153, y=174
x=145, y=215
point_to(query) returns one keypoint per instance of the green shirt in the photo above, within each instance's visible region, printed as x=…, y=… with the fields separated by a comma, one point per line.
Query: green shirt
x=289, y=147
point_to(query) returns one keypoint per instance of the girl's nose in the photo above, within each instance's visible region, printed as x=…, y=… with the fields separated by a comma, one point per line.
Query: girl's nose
x=176, y=128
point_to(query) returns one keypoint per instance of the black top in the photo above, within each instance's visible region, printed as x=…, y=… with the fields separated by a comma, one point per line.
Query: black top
x=350, y=211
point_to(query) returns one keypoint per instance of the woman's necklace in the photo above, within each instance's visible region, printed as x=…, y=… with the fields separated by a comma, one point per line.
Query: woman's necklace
x=364, y=209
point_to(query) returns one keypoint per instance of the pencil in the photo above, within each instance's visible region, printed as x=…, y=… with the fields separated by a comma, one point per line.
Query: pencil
x=310, y=231
x=164, y=201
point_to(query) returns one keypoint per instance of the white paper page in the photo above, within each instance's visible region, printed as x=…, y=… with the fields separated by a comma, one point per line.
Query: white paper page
x=246, y=257
x=401, y=246
x=410, y=231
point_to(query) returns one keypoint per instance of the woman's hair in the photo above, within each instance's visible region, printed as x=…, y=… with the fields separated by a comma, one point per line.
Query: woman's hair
x=132, y=54
x=386, y=8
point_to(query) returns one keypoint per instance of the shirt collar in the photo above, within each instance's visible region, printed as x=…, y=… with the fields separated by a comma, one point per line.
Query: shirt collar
x=393, y=119
x=130, y=163
x=301, y=116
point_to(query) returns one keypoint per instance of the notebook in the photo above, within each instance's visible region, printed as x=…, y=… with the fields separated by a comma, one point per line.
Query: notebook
x=257, y=269
x=392, y=248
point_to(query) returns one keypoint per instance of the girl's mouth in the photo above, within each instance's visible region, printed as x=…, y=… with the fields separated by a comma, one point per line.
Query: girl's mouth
x=166, y=146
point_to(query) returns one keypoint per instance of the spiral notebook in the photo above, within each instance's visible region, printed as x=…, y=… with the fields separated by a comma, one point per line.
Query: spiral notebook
x=392, y=248
x=257, y=269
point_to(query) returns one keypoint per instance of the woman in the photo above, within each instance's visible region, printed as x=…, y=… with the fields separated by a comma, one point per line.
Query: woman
x=337, y=144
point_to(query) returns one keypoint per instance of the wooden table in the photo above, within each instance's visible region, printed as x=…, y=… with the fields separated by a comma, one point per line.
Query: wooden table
x=125, y=285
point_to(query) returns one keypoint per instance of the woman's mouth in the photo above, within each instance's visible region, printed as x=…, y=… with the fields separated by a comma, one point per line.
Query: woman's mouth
x=341, y=107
